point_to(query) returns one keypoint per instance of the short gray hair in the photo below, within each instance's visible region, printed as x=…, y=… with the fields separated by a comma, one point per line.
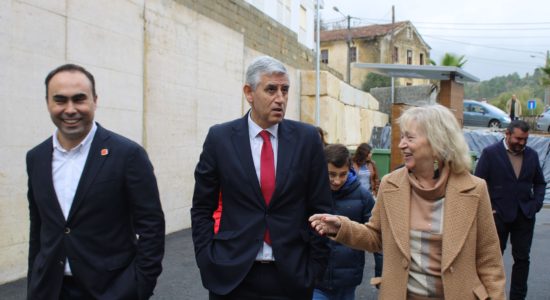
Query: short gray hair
x=263, y=65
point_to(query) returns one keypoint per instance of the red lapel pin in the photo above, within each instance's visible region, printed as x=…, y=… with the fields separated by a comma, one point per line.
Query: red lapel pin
x=104, y=151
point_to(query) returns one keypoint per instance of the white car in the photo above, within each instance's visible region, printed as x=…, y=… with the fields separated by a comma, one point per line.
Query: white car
x=543, y=122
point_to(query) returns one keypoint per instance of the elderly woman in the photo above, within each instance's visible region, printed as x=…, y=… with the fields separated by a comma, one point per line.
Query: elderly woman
x=433, y=219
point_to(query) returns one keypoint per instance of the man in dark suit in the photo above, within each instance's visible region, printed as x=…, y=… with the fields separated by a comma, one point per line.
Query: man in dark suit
x=272, y=176
x=96, y=222
x=516, y=187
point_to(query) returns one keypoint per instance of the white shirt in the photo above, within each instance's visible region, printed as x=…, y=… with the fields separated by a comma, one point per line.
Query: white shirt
x=256, y=143
x=67, y=167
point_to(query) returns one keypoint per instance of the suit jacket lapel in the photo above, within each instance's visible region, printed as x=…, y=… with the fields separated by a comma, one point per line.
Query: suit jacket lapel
x=398, y=210
x=459, y=214
x=94, y=162
x=43, y=166
x=285, y=153
x=241, y=143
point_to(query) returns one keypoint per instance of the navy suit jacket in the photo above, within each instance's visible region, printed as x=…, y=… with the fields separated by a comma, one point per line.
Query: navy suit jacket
x=507, y=191
x=116, y=199
x=301, y=189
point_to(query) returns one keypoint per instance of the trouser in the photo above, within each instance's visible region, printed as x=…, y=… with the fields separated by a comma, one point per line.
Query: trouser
x=261, y=283
x=521, y=236
x=71, y=290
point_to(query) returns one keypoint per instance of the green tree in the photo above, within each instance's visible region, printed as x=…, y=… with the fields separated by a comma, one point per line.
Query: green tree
x=373, y=80
x=453, y=60
x=545, y=74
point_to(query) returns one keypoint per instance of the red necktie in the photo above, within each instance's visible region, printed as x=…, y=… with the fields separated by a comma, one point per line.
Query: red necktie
x=267, y=174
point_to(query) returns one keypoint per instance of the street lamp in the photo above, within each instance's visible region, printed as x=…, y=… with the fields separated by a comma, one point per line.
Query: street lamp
x=348, y=42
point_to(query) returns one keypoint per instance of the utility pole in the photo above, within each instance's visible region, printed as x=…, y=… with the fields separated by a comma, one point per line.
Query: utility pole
x=348, y=42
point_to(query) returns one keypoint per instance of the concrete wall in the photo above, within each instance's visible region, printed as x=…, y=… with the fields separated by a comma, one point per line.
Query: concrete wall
x=346, y=113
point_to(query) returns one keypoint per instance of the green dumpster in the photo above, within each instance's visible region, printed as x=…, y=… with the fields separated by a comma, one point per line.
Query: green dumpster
x=382, y=159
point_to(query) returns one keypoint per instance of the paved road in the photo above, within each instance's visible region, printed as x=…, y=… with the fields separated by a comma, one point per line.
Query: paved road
x=181, y=280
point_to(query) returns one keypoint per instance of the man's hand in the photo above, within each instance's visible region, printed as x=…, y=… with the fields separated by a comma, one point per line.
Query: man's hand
x=325, y=224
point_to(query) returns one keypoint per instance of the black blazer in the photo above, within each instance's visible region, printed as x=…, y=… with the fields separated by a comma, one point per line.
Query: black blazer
x=301, y=189
x=506, y=191
x=116, y=199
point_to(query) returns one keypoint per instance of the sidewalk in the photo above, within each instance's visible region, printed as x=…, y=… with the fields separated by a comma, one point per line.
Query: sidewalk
x=181, y=280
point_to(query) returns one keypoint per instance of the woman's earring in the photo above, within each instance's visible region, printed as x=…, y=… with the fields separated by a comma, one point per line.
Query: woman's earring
x=436, y=169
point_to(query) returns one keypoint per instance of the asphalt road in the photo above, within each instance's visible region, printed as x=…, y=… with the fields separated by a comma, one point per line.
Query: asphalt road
x=181, y=280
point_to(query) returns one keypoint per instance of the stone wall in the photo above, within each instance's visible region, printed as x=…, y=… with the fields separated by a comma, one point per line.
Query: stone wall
x=414, y=95
x=346, y=113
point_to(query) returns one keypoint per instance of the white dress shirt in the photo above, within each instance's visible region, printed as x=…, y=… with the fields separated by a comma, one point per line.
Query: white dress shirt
x=67, y=167
x=256, y=143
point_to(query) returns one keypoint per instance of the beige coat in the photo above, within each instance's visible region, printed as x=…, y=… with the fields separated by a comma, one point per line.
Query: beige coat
x=517, y=107
x=471, y=265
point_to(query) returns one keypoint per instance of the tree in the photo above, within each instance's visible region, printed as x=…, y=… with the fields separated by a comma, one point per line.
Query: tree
x=545, y=78
x=373, y=80
x=452, y=60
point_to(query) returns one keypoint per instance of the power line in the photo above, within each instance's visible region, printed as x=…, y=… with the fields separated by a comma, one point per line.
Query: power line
x=485, y=46
x=494, y=37
x=482, y=29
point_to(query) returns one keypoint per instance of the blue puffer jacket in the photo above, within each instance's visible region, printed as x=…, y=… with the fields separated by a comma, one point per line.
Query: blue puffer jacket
x=345, y=265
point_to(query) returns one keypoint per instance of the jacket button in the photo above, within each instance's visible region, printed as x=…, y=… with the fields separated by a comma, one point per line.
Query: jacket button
x=67, y=230
x=405, y=263
x=61, y=263
x=452, y=269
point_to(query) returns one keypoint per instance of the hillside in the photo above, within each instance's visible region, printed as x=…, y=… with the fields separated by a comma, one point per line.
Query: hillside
x=499, y=89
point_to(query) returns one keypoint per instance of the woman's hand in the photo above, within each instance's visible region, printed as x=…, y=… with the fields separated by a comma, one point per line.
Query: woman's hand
x=325, y=224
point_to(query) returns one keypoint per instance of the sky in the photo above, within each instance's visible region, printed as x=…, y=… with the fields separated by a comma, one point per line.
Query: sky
x=497, y=37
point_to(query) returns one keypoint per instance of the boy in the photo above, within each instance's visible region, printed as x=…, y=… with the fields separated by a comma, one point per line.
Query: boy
x=345, y=267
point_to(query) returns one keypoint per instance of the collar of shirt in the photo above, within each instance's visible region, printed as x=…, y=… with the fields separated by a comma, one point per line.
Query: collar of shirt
x=510, y=151
x=84, y=145
x=254, y=129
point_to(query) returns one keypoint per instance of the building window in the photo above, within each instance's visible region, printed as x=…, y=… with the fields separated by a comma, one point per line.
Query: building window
x=324, y=56
x=421, y=59
x=302, y=34
x=409, y=57
x=352, y=54
x=395, y=56
x=409, y=33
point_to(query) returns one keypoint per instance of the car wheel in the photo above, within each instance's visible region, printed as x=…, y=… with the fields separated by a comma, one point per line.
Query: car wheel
x=494, y=124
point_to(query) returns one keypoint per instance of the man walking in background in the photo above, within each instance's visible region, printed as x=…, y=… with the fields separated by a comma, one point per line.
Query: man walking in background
x=516, y=187
x=272, y=176
x=513, y=108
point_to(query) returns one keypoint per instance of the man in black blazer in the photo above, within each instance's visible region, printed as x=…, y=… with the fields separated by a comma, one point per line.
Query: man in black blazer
x=96, y=222
x=264, y=248
x=516, y=187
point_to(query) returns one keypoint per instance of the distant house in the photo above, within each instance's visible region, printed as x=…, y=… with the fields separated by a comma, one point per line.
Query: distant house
x=394, y=43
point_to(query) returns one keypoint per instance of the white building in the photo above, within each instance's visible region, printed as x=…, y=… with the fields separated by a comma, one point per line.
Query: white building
x=296, y=15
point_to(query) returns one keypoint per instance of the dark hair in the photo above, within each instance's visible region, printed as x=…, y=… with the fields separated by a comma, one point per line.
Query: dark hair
x=518, y=124
x=322, y=134
x=337, y=154
x=70, y=68
x=362, y=154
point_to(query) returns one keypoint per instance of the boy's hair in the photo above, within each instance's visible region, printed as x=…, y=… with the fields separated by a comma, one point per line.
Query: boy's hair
x=337, y=154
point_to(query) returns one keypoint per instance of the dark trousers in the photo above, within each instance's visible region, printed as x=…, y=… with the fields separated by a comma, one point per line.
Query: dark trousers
x=261, y=283
x=71, y=290
x=378, y=261
x=521, y=237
